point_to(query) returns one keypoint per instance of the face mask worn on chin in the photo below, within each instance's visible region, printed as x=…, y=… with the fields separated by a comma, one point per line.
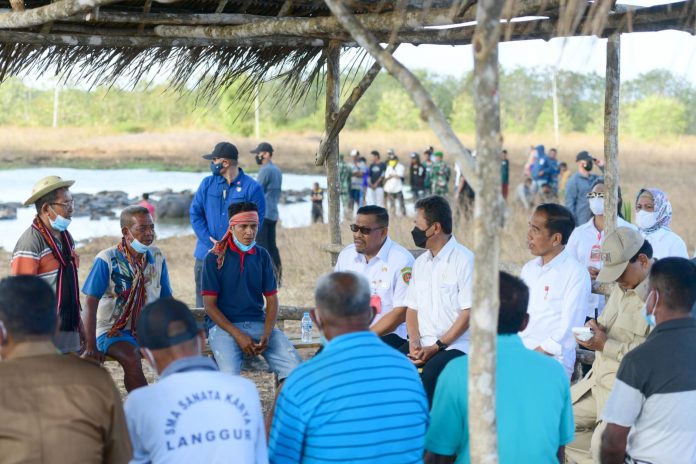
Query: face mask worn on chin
x=420, y=238
x=59, y=223
x=139, y=247
x=646, y=219
x=151, y=359
x=650, y=318
x=597, y=206
x=241, y=246
x=215, y=168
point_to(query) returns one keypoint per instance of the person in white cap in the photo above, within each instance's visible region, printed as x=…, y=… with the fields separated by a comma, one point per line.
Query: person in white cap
x=626, y=260
x=47, y=249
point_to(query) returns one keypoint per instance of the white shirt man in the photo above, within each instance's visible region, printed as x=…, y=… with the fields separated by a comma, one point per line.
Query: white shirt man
x=585, y=244
x=558, y=295
x=389, y=273
x=440, y=289
x=394, y=176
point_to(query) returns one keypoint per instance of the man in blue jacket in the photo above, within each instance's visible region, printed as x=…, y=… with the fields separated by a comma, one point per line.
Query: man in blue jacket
x=228, y=184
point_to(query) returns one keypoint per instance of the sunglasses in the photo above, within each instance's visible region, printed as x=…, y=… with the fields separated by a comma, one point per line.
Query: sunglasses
x=364, y=230
x=595, y=195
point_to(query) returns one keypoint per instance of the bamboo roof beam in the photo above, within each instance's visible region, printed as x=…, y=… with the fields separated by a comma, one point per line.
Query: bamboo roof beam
x=100, y=41
x=189, y=19
x=45, y=14
x=384, y=22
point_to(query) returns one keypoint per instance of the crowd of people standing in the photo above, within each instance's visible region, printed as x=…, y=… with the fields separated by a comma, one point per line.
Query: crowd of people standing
x=390, y=381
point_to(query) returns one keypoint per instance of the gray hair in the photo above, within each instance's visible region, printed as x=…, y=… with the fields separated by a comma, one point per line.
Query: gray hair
x=343, y=294
x=130, y=211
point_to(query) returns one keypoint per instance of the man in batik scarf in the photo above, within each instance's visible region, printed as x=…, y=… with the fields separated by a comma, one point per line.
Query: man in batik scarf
x=238, y=281
x=122, y=280
x=46, y=249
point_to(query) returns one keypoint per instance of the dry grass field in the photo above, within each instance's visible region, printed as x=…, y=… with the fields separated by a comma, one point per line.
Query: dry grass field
x=670, y=167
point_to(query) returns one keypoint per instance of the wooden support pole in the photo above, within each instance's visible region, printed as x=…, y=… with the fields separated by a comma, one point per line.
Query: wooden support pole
x=420, y=96
x=333, y=92
x=488, y=214
x=146, y=10
x=45, y=14
x=347, y=108
x=611, y=133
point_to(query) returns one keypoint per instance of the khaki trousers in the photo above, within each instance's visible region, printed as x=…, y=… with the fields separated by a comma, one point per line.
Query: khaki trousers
x=588, y=432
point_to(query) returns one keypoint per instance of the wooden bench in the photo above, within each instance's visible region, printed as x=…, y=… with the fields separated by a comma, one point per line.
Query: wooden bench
x=285, y=313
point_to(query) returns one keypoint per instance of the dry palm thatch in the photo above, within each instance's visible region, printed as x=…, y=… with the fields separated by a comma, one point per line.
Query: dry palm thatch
x=210, y=44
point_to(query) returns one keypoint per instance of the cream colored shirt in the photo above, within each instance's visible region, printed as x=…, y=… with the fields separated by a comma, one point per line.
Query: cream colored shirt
x=59, y=409
x=626, y=328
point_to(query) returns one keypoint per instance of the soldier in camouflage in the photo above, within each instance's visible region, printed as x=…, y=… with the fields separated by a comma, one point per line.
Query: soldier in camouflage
x=440, y=175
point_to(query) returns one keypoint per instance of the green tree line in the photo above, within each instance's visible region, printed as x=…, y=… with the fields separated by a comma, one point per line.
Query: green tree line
x=654, y=105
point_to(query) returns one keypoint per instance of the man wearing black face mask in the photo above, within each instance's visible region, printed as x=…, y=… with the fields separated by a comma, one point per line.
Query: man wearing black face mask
x=439, y=293
x=271, y=180
x=579, y=185
x=228, y=184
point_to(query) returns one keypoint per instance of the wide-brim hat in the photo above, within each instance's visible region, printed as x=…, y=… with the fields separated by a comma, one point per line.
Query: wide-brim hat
x=46, y=186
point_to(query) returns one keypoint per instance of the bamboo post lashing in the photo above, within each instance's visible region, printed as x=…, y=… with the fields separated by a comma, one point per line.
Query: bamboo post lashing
x=333, y=92
x=611, y=133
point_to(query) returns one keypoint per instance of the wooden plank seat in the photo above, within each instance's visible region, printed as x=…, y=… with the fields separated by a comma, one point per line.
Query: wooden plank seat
x=257, y=363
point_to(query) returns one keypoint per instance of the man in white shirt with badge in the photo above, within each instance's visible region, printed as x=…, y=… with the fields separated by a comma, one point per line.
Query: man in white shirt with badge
x=386, y=265
x=559, y=286
x=440, y=293
x=194, y=413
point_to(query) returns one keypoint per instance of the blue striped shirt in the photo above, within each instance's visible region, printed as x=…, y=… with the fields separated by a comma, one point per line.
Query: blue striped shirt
x=357, y=401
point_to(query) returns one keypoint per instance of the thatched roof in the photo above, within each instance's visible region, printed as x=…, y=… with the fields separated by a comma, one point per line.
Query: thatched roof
x=219, y=41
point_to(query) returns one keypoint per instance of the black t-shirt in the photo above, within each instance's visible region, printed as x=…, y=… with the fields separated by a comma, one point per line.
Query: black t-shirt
x=377, y=171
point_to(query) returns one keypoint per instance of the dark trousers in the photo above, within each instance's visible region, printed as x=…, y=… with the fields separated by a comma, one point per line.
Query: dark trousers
x=433, y=367
x=393, y=340
x=198, y=277
x=267, y=239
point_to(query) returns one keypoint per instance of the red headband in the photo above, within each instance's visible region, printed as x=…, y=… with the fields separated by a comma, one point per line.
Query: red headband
x=246, y=217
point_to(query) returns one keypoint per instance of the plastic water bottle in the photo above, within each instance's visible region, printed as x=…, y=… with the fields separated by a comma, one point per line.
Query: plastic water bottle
x=306, y=325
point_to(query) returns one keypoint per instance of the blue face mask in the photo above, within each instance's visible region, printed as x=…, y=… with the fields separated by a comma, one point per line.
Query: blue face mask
x=215, y=168
x=59, y=223
x=139, y=247
x=650, y=318
x=241, y=246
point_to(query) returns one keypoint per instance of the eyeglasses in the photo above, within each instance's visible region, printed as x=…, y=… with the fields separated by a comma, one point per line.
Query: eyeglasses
x=364, y=230
x=595, y=195
x=67, y=205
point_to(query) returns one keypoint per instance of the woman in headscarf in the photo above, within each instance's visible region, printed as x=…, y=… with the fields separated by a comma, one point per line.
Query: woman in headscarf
x=653, y=216
x=585, y=242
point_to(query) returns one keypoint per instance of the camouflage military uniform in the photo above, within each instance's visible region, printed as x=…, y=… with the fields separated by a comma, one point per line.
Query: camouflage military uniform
x=440, y=178
x=344, y=182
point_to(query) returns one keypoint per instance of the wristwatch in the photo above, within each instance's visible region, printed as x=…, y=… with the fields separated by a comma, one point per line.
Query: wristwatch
x=441, y=346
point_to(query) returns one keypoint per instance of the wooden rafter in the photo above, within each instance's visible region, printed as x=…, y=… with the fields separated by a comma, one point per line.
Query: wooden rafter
x=48, y=13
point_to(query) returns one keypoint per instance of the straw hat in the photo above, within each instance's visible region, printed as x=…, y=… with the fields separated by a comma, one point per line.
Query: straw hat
x=45, y=186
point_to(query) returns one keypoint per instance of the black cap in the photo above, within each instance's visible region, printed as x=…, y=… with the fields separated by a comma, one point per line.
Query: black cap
x=263, y=146
x=583, y=156
x=165, y=322
x=223, y=150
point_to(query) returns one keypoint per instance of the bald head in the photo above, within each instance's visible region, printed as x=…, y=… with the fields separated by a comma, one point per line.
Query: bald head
x=343, y=295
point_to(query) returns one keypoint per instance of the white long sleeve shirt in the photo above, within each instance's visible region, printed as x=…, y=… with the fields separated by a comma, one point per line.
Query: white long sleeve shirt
x=558, y=296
